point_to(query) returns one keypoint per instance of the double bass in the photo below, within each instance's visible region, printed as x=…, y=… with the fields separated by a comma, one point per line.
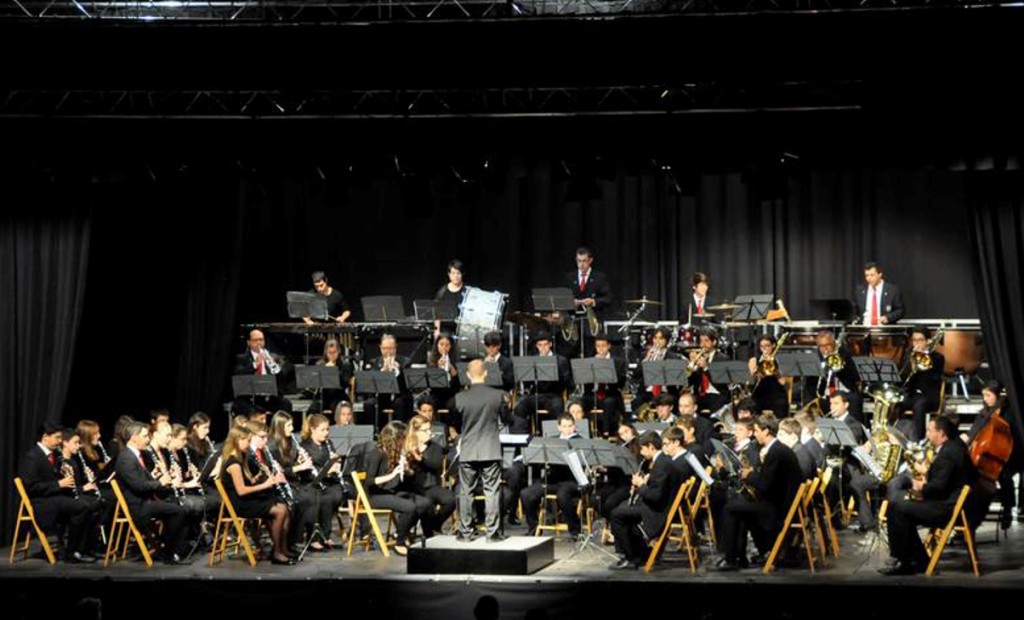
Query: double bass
x=991, y=447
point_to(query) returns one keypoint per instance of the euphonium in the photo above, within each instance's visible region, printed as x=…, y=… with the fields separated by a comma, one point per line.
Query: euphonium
x=886, y=454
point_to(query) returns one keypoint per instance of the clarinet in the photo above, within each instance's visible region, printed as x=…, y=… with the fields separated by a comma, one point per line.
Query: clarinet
x=66, y=470
x=331, y=454
x=634, y=497
x=89, y=474
x=103, y=452
x=159, y=470
x=283, y=490
x=193, y=471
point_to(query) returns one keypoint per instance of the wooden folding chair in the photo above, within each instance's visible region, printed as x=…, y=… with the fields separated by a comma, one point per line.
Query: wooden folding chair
x=363, y=507
x=583, y=509
x=227, y=519
x=123, y=528
x=814, y=518
x=680, y=519
x=937, y=538
x=702, y=501
x=27, y=514
x=796, y=519
x=826, y=478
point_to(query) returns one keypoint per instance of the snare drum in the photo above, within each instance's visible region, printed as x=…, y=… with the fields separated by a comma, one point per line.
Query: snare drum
x=688, y=337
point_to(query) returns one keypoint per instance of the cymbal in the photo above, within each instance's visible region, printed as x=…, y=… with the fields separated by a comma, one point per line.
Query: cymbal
x=723, y=307
x=643, y=300
x=527, y=319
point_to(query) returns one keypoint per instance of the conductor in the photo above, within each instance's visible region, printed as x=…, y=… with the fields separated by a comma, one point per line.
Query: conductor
x=481, y=409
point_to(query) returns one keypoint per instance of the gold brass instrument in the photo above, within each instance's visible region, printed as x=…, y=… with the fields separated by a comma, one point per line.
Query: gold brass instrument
x=697, y=359
x=835, y=361
x=768, y=367
x=921, y=361
x=592, y=323
x=745, y=488
x=646, y=413
x=886, y=454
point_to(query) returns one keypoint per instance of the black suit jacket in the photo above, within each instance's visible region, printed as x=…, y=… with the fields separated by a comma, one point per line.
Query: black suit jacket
x=508, y=373
x=564, y=379
x=378, y=362
x=136, y=483
x=428, y=470
x=243, y=363
x=860, y=434
x=40, y=478
x=949, y=472
x=848, y=376
x=927, y=382
x=776, y=483
x=890, y=306
x=597, y=288
x=816, y=451
x=657, y=495
x=806, y=460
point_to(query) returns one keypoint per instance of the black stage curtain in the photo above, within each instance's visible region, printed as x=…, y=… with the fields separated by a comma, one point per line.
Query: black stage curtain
x=997, y=243
x=44, y=253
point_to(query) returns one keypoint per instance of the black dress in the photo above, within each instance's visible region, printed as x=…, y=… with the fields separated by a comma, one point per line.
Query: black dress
x=254, y=505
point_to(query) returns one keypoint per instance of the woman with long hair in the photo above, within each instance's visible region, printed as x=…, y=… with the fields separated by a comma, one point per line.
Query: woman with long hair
x=328, y=398
x=331, y=490
x=298, y=468
x=426, y=460
x=441, y=356
x=389, y=483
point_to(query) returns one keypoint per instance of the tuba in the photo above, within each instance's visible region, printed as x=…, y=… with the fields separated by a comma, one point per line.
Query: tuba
x=887, y=455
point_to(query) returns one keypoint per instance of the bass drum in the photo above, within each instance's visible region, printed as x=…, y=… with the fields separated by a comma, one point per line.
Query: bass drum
x=480, y=312
x=964, y=350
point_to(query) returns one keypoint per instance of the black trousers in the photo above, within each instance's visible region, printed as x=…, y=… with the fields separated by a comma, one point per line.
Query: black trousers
x=860, y=484
x=566, y=493
x=611, y=497
x=471, y=474
x=525, y=409
x=741, y=516
x=442, y=505
x=408, y=507
x=630, y=540
x=328, y=500
x=921, y=406
x=904, y=517
x=176, y=521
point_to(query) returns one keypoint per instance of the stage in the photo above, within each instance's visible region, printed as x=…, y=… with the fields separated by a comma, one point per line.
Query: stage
x=567, y=588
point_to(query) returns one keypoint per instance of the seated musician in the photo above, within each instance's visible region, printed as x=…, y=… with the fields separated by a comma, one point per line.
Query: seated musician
x=616, y=489
x=337, y=309
x=548, y=394
x=995, y=399
x=389, y=483
x=391, y=362
x=810, y=438
x=773, y=486
x=441, y=356
x=686, y=407
x=257, y=360
x=328, y=398
x=492, y=342
x=53, y=494
x=789, y=434
x=664, y=404
x=557, y=481
x=297, y=467
x=426, y=460
x=770, y=392
x=86, y=491
x=838, y=374
x=162, y=460
x=658, y=351
x=254, y=491
x=710, y=396
x=933, y=497
x=333, y=490
x=119, y=439
x=877, y=302
x=637, y=522
x=201, y=448
x=607, y=397
x=95, y=459
x=675, y=441
x=140, y=488
x=578, y=411
x=344, y=414
x=186, y=473
x=924, y=384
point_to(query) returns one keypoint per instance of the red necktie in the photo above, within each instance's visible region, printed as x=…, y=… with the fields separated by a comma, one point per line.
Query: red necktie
x=53, y=459
x=583, y=282
x=874, y=306
x=259, y=367
x=704, y=383
x=700, y=306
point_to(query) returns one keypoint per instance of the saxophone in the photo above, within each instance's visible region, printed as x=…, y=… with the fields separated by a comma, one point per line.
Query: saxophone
x=887, y=455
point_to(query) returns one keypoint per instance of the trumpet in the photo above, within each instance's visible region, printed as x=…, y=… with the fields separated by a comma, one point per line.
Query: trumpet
x=698, y=359
x=655, y=354
x=90, y=475
x=272, y=366
x=388, y=364
x=767, y=366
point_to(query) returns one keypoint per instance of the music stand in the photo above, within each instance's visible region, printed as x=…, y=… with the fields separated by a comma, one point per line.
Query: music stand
x=383, y=308
x=545, y=451
x=345, y=437
x=877, y=370
x=493, y=378
x=644, y=427
x=430, y=310
x=376, y=382
x=799, y=364
x=729, y=372
x=832, y=309
x=427, y=378
x=254, y=386
x=624, y=460
x=665, y=372
x=585, y=454
x=836, y=433
x=753, y=307
x=549, y=428
x=318, y=378
x=302, y=304
x=534, y=369
x=555, y=300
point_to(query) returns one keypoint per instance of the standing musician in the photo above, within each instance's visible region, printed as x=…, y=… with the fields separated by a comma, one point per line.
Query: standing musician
x=710, y=396
x=492, y=342
x=337, y=309
x=52, y=490
x=557, y=481
x=481, y=409
x=640, y=520
x=549, y=393
x=389, y=361
x=838, y=375
x=936, y=493
x=318, y=447
x=774, y=485
x=995, y=400
x=607, y=396
x=254, y=490
x=452, y=292
x=140, y=488
x=877, y=302
x=924, y=383
x=426, y=460
x=297, y=466
x=769, y=389
x=591, y=292
x=257, y=360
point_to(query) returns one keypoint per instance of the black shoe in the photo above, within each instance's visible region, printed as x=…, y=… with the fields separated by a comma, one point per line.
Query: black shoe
x=288, y=562
x=898, y=568
x=77, y=557
x=757, y=560
x=513, y=520
x=497, y=537
x=725, y=565
x=863, y=529
x=463, y=538
x=175, y=559
x=622, y=564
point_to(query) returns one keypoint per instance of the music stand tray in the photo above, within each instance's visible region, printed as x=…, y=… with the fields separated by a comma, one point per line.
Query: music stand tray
x=254, y=385
x=665, y=372
x=493, y=378
x=643, y=427
x=345, y=437
x=625, y=460
x=877, y=370
x=533, y=369
x=430, y=310
x=318, y=377
x=836, y=433
x=753, y=307
x=426, y=378
x=729, y=372
x=545, y=451
x=550, y=427
x=383, y=309
x=553, y=299
x=591, y=371
x=302, y=304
